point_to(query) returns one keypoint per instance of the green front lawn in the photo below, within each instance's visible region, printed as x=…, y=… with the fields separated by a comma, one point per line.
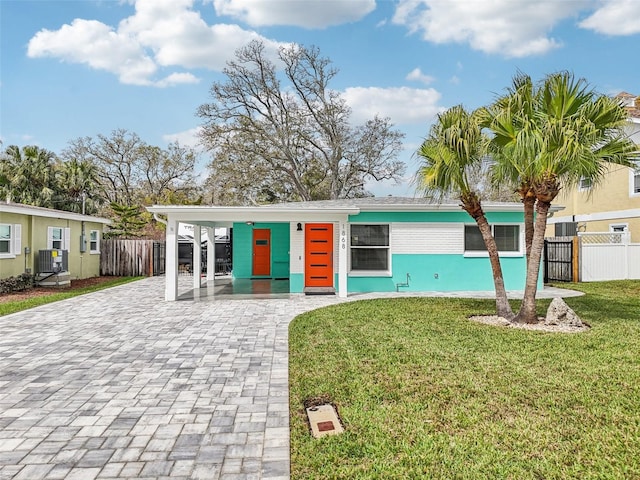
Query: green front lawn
x=425, y=393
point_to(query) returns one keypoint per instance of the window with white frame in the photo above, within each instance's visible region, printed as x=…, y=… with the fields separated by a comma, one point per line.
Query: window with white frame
x=635, y=179
x=10, y=242
x=585, y=183
x=618, y=227
x=58, y=238
x=94, y=241
x=507, y=238
x=370, y=251
x=5, y=239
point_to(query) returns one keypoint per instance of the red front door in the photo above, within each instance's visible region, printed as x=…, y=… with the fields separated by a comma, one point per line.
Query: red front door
x=261, y=252
x=318, y=257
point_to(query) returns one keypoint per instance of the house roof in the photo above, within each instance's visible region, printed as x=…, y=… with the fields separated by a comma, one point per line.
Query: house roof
x=19, y=208
x=631, y=104
x=320, y=210
x=391, y=203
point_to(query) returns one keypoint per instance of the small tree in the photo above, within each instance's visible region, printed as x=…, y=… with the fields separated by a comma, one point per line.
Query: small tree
x=128, y=221
x=547, y=137
x=453, y=152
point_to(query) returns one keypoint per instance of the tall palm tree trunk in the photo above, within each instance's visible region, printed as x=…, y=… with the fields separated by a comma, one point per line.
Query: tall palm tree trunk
x=503, y=307
x=529, y=201
x=527, y=313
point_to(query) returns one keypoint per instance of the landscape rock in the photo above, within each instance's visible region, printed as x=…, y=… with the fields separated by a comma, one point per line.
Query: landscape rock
x=559, y=313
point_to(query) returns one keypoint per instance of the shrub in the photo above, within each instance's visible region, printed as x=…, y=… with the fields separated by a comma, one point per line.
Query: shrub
x=19, y=283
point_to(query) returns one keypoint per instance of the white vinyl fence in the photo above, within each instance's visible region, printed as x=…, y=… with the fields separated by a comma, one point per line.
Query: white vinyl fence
x=608, y=256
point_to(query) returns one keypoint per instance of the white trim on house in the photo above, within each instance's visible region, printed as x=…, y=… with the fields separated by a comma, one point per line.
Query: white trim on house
x=591, y=217
x=49, y=213
x=427, y=238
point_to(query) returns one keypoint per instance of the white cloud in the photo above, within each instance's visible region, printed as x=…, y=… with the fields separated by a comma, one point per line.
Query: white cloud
x=417, y=75
x=513, y=28
x=301, y=13
x=403, y=105
x=161, y=34
x=187, y=138
x=615, y=17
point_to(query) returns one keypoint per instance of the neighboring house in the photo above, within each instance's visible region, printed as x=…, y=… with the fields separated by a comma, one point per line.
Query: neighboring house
x=612, y=206
x=361, y=245
x=26, y=230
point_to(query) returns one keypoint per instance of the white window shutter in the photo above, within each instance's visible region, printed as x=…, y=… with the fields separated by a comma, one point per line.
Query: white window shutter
x=17, y=239
x=67, y=239
x=49, y=238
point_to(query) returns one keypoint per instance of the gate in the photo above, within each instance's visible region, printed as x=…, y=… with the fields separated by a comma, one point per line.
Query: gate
x=159, y=258
x=558, y=261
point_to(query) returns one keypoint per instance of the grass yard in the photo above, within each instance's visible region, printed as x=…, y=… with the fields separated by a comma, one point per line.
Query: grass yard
x=11, y=303
x=425, y=393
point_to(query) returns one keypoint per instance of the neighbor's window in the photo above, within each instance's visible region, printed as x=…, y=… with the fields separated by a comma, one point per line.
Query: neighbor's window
x=10, y=240
x=585, y=183
x=57, y=238
x=635, y=187
x=507, y=238
x=5, y=239
x=94, y=241
x=370, y=247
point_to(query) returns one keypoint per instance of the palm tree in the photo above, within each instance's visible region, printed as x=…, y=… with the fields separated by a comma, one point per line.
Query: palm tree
x=78, y=181
x=548, y=137
x=29, y=175
x=453, y=150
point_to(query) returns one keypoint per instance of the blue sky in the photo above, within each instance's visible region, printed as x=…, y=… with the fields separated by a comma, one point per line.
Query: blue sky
x=78, y=68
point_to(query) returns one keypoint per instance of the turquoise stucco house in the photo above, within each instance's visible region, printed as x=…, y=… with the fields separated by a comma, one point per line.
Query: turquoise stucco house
x=380, y=244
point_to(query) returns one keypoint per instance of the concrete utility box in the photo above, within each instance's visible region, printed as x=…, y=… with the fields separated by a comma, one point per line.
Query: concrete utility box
x=324, y=421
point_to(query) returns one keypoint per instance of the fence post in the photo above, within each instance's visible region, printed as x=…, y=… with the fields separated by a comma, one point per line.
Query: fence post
x=575, y=260
x=546, y=261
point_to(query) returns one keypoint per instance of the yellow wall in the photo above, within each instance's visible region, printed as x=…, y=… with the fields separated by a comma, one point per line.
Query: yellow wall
x=10, y=267
x=612, y=194
x=34, y=235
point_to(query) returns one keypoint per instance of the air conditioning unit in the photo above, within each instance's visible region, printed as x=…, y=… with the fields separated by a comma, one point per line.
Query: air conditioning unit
x=53, y=261
x=566, y=229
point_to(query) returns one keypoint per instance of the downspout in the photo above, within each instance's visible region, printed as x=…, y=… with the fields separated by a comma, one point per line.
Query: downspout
x=158, y=219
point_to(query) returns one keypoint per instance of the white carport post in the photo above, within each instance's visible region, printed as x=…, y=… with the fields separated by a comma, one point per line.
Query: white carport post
x=342, y=260
x=197, y=257
x=171, y=266
x=211, y=255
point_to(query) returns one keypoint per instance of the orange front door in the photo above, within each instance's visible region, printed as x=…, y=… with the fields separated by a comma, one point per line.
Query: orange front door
x=261, y=252
x=318, y=256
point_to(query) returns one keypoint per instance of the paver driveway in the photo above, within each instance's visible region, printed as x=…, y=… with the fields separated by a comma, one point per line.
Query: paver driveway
x=120, y=384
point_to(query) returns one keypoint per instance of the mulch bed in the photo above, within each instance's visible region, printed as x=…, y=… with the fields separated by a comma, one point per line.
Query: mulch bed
x=43, y=291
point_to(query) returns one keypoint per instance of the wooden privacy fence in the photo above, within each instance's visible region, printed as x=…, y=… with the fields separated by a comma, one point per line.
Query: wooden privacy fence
x=131, y=258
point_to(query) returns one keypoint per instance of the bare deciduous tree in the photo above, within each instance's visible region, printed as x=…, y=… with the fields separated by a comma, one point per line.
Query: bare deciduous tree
x=293, y=140
x=131, y=172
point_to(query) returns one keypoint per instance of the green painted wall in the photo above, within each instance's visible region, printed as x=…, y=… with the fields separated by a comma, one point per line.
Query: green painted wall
x=296, y=282
x=34, y=235
x=243, y=253
x=454, y=272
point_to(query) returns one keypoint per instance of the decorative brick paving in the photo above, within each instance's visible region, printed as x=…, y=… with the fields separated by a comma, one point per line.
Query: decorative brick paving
x=121, y=384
